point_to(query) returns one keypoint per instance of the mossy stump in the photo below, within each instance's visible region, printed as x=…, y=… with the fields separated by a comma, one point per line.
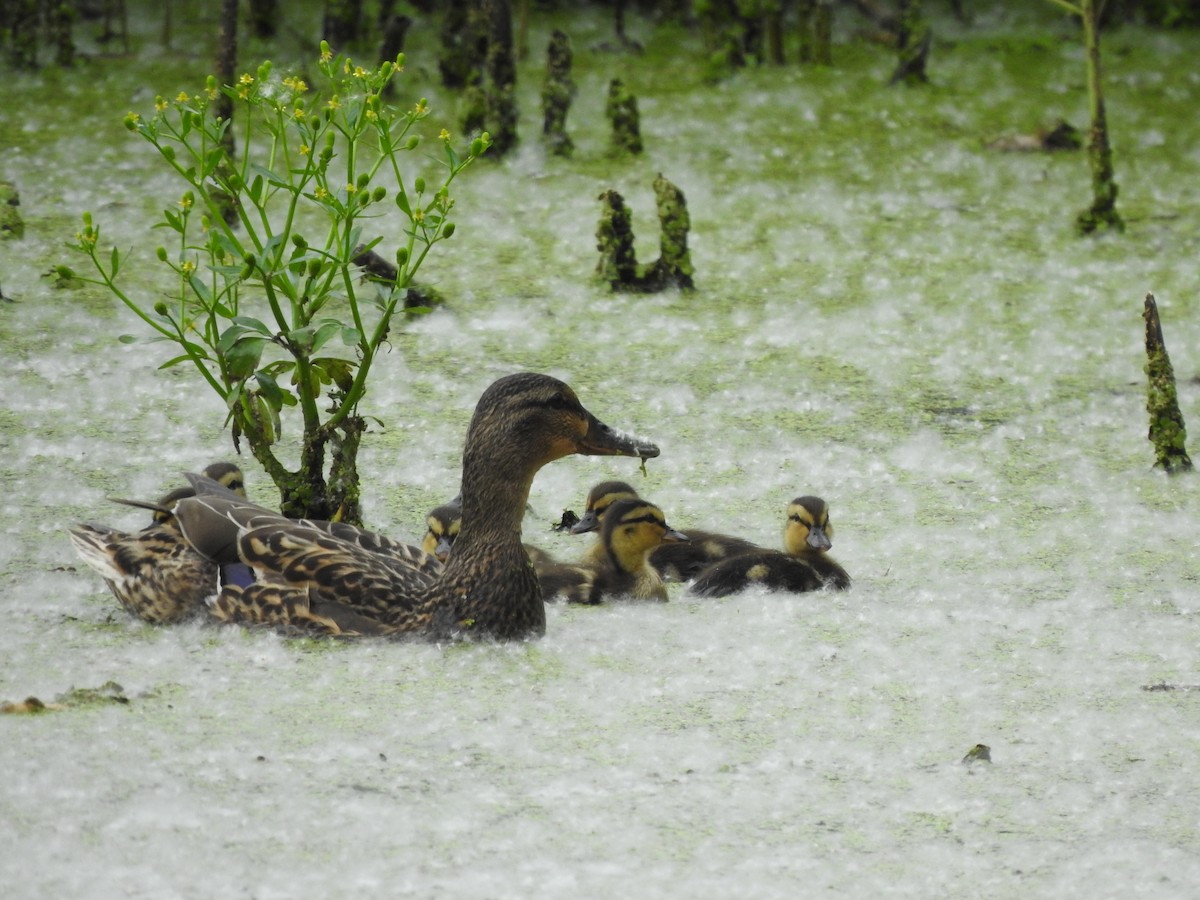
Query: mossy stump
x=1167, y=431
x=622, y=112
x=557, y=93
x=618, y=263
x=11, y=224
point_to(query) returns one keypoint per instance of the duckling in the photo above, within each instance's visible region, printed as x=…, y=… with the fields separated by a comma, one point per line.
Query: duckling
x=443, y=524
x=154, y=573
x=630, y=529
x=675, y=561
x=330, y=580
x=804, y=566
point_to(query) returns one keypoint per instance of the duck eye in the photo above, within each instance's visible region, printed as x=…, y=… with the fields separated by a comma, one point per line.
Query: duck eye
x=560, y=401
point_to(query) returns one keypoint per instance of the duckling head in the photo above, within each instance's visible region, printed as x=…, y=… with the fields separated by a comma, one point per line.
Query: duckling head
x=808, y=526
x=443, y=523
x=633, y=527
x=599, y=499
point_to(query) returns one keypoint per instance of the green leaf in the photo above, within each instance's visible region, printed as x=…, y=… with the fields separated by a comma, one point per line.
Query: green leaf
x=174, y=220
x=351, y=337
x=242, y=357
x=255, y=190
x=252, y=324
x=201, y=290
x=402, y=202
x=116, y=263
x=324, y=333
x=128, y=339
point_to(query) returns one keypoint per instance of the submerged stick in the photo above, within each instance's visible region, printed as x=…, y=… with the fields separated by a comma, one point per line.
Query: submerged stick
x=1167, y=431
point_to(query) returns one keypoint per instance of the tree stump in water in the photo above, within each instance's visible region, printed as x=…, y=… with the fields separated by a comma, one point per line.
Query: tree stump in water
x=557, y=94
x=1167, y=431
x=622, y=112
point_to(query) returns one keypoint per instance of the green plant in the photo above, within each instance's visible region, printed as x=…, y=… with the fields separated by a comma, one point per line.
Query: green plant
x=264, y=250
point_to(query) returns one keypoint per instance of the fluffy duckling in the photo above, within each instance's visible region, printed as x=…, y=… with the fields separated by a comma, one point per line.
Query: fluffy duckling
x=443, y=524
x=675, y=561
x=804, y=566
x=330, y=579
x=154, y=573
x=630, y=528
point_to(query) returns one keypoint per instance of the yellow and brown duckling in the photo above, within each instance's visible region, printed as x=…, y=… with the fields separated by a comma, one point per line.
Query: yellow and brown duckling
x=803, y=566
x=675, y=561
x=629, y=530
x=154, y=573
x=329, y=580
x=443, y=524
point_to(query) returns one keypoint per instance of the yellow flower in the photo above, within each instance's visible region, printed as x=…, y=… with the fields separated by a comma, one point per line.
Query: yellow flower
x=420, y=107
x=187, y=267
x=444, y=135
x=333, y=102
x=326, y=54
x=372, y=115
x=160, y=104
x=295, y=84
x=418, y=215
x=244, y=93
x=305, y=149
x=360, y=72
x=351, y=188
x=320, y=193
x=183, y=97
x=246, y=78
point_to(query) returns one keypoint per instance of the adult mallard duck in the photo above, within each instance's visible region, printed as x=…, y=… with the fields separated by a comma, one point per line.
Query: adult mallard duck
x=443, y=524
x=630, y=529
x=803, y=566
x=154, y=573
x=332, y=580
x=675, y=561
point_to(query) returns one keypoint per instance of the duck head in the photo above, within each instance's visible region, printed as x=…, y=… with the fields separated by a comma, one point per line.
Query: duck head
x=808, y=526
x=600, y=498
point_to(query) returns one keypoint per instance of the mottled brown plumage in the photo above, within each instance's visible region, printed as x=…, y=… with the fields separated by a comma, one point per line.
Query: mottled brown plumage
x=154, y=573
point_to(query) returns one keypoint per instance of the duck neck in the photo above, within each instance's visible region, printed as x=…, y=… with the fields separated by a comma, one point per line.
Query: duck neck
x=495, y=491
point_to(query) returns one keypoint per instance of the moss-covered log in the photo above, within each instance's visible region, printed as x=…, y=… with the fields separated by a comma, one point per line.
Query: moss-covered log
x=1103, y=211
x=1167, y=431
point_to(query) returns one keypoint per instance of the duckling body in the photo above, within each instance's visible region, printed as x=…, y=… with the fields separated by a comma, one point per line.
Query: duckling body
x=332, y=583
x=154, y=573
x=676, y=560
x=630, y=528
x=804, y=566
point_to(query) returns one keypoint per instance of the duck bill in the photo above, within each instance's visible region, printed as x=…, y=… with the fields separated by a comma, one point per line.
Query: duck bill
x=601, y=440
x=589, y=522
x=818, y=540
x=674, y=537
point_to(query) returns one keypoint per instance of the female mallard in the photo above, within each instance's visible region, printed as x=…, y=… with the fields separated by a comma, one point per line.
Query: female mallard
x=329, y=579
x=441, y=531
x=630, y=529
x=154, y=573
x=804, y=566
x=675, y=561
